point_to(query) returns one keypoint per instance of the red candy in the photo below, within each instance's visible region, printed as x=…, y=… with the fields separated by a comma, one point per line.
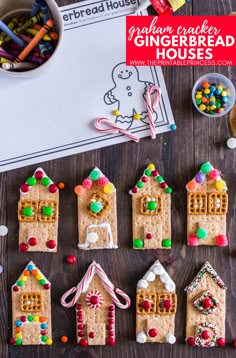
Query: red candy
x=163, y=185
x=234, y=344
x=214, y=174
x=81, y=333
x=71, y=259
x=134, y=190
x=155, y=173
x=12, y=341
x=23, y=318
x=144, y=179
x=111, y=308
x=205, y=335
x=80, y=326
x=153, y=332
x=83, y=342
x=146, y=304
x=15, y=288
x=149, y=236
x=192, y=240
x=207, y=303
x=167, y=304
x=39, y=175
x=111, y=314
x=110, y=321
x=109, y=327
x=221, y=342
x=91, y=334
x=94, y=300
x=51, y=244
x=46, y=286
x=110, y=341
x=87, y=183
x=221, y=240
x=23, y=247
x=190, y=341
x=103, y=181
x=32, y=241
x=44, y=332
x=52, y=188
x=111, y=333
x=24, y=188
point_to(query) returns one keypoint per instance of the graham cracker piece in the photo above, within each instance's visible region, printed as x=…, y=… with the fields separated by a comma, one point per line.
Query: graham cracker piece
x=197, y=203
x=212, y=229
x=102, y=234
x=156, y=232
x=161, y=297
x=218, y=203
x=144, y=202
x=31, y=334
x=22, y=204
x=98, y=330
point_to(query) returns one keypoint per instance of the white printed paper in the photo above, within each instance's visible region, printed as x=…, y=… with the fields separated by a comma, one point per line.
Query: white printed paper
x=52, y=116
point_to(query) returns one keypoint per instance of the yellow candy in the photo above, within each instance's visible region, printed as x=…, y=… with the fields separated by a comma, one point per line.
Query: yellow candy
x=23, y=278
x=202, y=107
x=109, y=188
x=221, y=109
x=49, y=341
x=207, y=91
x=36, y=318
x=208, y=107
x=137, y=116
x=212, y=108
x=223, y=93
x=212, y=99
x=18, y=335
x=39, y=277
x=198, y=95
x=219, y=88
x=220, y=185
x=116, y=112
x=151, y=166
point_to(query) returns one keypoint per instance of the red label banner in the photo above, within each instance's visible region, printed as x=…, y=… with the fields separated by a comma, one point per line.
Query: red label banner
x=180, y=41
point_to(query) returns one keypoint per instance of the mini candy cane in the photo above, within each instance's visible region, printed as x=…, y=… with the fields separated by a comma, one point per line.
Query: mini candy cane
x=153, y=97
x=84, y=283
x=113, y=128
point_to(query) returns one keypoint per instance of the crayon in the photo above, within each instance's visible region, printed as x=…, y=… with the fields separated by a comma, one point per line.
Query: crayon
x=35, y=8
x=12, y=52
x=18, y=66
x=53, y=35
x=44, y=10
x=33, y=20
x=45, y=50
x=35, y=59
x=12, y=35
x=4, y=60
x=34, y=42
x=7, y=55
x=21, y=21
x=34, y=32
x=13, y=22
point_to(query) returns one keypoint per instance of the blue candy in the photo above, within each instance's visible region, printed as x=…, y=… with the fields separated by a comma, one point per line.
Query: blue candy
x=44, y=326
x=224, y=99
x=218, y=92
x=30, y=267
x=18, y=323
x=212, y=88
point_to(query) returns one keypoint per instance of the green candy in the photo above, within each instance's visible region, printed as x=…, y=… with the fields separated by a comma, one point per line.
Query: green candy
x=138, y=243
x=96, y=206
x=31, y=181
x=42, y=282
x=140, y=184
x=47, y=210
x=159, y=178
x=198, y=101
x=152, y=205
x=166, y=243
x=218, y=105
x=212, y=112
x=148, y=172
x=30, y=318
x=94, y=175
x=206, y=167
x=201, y=233
x=45, y=181
x=44, y=338
x=20, y=283
x=168, y=190
x=28, y=211
x=18, y=342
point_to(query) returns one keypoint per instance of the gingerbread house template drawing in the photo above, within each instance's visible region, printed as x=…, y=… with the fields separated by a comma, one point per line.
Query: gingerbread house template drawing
x=97, y=214
x=38, y=213
x=151, y=206
x=95, y=300
x=156, y=304
x=207, y=205
x=31, y=308
x=205, y=323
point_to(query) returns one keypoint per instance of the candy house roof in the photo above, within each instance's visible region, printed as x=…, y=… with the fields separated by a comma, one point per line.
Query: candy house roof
x=39, y=177
x=31, y=270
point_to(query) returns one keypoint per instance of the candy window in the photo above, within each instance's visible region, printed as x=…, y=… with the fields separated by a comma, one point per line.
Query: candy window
x=27, y=210
x=98, y=205
x=217, y=203
x=47, y=211
x=151, y=205
x=197, y=203
x=166, y=303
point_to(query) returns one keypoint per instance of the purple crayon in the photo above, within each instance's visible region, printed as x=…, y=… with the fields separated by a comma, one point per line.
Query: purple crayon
x=7, y=55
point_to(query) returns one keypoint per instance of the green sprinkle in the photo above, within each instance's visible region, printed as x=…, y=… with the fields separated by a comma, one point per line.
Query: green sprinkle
x=148, y=172
x=206, y=167
x=45, y=181
x=166, y=243
x=201, y=233
x=168, y=190
x=140, y=184
x=20, y=283
x=159, y=178
x=31, y=181
x=138, y=243
x=94, y=175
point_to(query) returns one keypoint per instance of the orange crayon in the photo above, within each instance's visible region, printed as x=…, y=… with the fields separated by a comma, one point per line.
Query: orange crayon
x=35, y=40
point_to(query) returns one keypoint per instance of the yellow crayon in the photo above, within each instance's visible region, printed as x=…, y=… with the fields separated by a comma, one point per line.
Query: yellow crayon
x=4, y=60
x=13, y=22
x=34, y=32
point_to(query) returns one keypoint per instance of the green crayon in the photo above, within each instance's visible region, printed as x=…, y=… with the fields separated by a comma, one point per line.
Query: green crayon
x=33, y=20
x=13, y=22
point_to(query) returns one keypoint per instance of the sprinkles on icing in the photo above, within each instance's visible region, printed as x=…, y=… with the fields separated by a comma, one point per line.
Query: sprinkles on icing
x=207, y=172
x=205, y=268
x=148, y=172
x=39, y=177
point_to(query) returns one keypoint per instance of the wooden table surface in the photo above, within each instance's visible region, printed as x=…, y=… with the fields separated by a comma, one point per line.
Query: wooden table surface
x=178, y=156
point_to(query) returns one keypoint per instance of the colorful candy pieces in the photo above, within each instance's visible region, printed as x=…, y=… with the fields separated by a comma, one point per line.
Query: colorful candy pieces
x=211, y=98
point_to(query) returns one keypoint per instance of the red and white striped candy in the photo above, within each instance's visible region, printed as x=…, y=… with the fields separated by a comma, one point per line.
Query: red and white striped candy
x=112, y=128
x=153, y=97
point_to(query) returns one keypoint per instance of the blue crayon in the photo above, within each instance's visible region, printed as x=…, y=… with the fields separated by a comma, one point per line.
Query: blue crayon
x=36, y=7
x=11, y=34
x=44, y=11
x=45, y=48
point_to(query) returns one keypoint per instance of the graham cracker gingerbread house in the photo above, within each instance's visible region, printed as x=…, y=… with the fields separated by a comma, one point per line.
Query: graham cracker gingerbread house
x=95, y=300
x=156, y=304
x=207, y=205
x=97, y=215
x=151, y=206
x=205, y=323
x=38, y=213
x=31, y=308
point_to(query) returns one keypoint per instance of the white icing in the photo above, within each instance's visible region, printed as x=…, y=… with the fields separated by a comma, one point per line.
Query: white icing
x=106, y=225
x=92, y=237
x=170, y=286
x=141, y=337
x=149, y=276
x=165, y=278
x=157, y=269
x=3, y=230
x=142, y=284
x=231, y=143
x=170, y=338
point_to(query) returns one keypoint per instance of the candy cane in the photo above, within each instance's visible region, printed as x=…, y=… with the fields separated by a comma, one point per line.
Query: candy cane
x=152, y=100
x=112, y=128
x=84, y=283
